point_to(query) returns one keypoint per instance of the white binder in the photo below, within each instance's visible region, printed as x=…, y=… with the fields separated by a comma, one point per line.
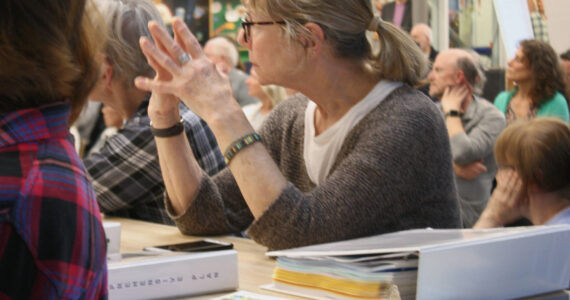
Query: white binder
x=500, y=263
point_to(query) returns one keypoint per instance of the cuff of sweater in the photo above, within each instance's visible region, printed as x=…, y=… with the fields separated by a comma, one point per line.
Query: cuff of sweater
x=181, y=220
x=273, y=228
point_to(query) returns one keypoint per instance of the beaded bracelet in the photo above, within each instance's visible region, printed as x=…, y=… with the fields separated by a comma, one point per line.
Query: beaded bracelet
x=239, y=144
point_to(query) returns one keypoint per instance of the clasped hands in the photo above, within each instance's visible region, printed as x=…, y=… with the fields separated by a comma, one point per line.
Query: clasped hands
x=182, y=72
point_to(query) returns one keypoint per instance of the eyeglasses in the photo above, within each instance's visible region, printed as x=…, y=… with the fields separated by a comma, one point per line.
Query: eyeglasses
x=247, y=27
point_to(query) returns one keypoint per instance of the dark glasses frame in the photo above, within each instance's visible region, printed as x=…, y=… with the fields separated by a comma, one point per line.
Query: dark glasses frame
x=247, y=27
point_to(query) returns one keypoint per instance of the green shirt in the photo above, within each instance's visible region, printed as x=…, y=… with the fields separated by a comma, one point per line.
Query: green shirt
x=556, y=107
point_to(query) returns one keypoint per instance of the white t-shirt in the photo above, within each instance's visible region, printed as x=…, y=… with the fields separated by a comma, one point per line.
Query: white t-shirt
x=320, y=151
x=254, y=115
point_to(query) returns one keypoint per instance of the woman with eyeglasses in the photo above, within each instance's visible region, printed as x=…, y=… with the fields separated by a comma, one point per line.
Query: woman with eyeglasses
x=357, y=152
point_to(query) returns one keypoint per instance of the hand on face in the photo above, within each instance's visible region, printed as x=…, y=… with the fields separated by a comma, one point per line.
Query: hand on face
x=509, y=200
x=197, y=82
x=454, y=96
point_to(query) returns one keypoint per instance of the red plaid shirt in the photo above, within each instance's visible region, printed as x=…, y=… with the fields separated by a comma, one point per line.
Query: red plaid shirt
x=52, y=243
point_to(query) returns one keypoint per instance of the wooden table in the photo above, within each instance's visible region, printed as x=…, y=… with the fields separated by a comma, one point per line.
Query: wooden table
x=255, y=269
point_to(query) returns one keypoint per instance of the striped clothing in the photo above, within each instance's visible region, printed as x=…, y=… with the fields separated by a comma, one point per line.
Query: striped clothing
x=539, y=27
x=126, y=173
x=52, y=243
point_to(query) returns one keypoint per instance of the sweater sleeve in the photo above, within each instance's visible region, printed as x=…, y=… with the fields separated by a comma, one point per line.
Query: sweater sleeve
x=393, y=172
x=478, y=142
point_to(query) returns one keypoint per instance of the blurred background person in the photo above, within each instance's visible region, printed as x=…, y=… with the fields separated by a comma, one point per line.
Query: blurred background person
x=225, y=56
x=534, y=175
x=399, y=13
x=90, y=124
x=125, y=172
x=540, y=86
x=164, y=11
x=113, y=122
x=473, y=125
x=423, y=36
x=268, y=95
x=52, y=243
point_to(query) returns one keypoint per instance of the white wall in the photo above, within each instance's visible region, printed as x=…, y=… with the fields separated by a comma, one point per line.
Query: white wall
x=558, y=18
x=484, y=24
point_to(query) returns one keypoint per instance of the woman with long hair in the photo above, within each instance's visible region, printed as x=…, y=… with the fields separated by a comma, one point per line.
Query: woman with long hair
x=540, y=85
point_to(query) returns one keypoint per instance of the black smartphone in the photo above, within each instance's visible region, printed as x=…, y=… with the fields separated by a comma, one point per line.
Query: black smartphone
x=196, y=246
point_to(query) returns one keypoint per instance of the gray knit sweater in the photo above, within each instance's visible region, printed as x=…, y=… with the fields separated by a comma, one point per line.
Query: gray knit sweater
x=393, y=172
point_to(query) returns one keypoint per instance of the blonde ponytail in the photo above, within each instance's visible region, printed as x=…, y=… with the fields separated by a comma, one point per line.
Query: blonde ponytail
x=399, y=58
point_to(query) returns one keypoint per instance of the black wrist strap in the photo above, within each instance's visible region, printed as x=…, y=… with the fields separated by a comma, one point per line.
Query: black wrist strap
x=174, y=130
x=453, y=113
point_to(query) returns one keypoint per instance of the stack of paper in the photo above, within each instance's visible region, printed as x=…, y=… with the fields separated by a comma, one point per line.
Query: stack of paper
x=430, y=264
x=351, y=276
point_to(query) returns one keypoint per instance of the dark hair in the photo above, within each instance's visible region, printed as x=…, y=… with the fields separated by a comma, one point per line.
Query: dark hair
x=469, y=69
x=565, y=55
x=546, y=70
x=47, y=53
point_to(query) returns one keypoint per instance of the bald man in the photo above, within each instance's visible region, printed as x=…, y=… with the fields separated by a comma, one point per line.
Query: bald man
x=423, y=36
x=473, y=125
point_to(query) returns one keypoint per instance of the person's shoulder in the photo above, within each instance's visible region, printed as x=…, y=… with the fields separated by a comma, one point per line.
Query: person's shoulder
x=292, y=105
x=503, y=95
x=557, y=102
x=502, y=99
x=557, y=106
x=287, y=113
x=559, y=99
x=488, y=114
x=409, y=97
x=405, y=106
x=488, y=106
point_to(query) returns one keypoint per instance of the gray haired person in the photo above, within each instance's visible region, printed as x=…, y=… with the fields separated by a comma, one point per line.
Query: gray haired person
x=358, y=151
x=125, y=172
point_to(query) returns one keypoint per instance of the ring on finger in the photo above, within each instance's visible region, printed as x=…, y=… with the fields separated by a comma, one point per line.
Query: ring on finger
x=184, y=58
